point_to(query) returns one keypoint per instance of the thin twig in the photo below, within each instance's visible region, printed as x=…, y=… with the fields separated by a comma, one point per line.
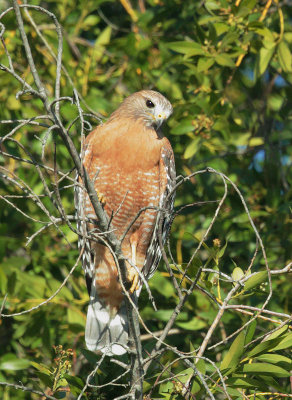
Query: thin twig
x=26, y=389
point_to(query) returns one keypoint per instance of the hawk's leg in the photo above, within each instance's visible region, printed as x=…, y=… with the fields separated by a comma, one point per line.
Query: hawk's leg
x=133, y=275
x=133, y=248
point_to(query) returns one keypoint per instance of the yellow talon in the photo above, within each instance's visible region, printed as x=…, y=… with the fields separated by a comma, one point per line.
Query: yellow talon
x=101, y=198
x=133, y=277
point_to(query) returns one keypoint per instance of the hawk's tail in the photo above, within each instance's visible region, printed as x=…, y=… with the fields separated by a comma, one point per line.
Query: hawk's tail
x=104, y=331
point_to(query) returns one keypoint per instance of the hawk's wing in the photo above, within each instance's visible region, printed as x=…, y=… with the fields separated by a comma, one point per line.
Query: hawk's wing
x=163, y=219
x=84, y=244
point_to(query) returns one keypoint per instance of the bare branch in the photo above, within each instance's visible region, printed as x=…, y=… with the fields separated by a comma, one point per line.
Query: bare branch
x=26, y=389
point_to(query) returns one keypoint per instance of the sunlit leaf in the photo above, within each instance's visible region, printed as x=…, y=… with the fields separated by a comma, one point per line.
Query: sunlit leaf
x=192, y=325
x=224, y=60
x=285, y=343
x=237, y=274
x=14, y=364
x=267, y=345
x=162, y=285
x=234, y=353
x=204, y=64
x=285, y=57
x=275, y=359
x=250, y=331
x=41, y=367
x=3, y=281
x=265, y=369
x=192, y=148
x=256, y=280
x=263, y=60
x=187, y=48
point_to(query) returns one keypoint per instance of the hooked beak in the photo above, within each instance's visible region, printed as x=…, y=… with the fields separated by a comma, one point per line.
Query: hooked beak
x=158, y=121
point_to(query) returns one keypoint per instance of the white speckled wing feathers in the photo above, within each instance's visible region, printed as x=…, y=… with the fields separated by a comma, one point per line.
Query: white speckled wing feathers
x=163, y=219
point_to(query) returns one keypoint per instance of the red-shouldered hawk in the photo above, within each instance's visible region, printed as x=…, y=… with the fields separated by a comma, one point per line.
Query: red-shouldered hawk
x=132, y=166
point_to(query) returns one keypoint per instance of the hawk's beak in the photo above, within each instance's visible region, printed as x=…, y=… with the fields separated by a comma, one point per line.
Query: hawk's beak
x=162, y=116
x=159, y=119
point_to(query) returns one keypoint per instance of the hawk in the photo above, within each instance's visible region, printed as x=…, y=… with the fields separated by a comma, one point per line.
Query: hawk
x=132, y=166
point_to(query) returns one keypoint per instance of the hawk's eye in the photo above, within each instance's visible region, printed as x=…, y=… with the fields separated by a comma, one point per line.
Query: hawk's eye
x=149, y=104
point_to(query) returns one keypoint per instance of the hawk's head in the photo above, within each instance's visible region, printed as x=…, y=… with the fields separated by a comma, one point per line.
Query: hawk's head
x=148, y=105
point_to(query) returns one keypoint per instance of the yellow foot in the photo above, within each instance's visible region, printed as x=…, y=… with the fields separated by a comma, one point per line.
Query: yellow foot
x=133, y=278
x=101, y=198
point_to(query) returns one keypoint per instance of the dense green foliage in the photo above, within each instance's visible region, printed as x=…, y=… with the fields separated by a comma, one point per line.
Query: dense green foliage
x=226, y=68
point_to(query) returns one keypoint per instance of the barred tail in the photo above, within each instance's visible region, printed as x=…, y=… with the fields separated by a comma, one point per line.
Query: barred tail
x=104, y=331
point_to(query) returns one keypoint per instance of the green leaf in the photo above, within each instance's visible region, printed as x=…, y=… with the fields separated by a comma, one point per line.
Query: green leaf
x=250, y=4
x=104, y=38
x=250, y=331
x=263, y=60
x=263, y=347
x=76, y=384
x=187, y=48
x=41, y=367
x=284, y=56
x=256, y=280
x=54, y=285
x=279, y=332
x=90, y=21
x=237, y=274
x=185, y=126
x=221, y=28
x=224, y=60
x=204, y=64
x=15, y=263
x=12, y=103
x=242, y=218
x=11, y=283
x=231, y=37
x=201, y=365
x=192, y=148
x=161, y=314
x=14, y=364
x=234, y=353
x=61, y=382
x=222, y=250
x=196, y=385
x=255, y=141
x=90, y=356
x=275, y=359
x=243, y=139
x=3, y=281
x=275, y=102
x=265, y=369
x=211, y=5
x=194, y=324
x=233, y=392
x=44, y=378
x=34, y=285
x=285, y=343
x=75, y=316
x=187, y=372
x=244, y=382
x=162, y=285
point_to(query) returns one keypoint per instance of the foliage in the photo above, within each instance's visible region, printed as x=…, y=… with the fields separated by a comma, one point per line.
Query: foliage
x=226, y=68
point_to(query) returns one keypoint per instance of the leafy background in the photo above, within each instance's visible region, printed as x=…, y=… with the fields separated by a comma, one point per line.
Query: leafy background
x=226, y=68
